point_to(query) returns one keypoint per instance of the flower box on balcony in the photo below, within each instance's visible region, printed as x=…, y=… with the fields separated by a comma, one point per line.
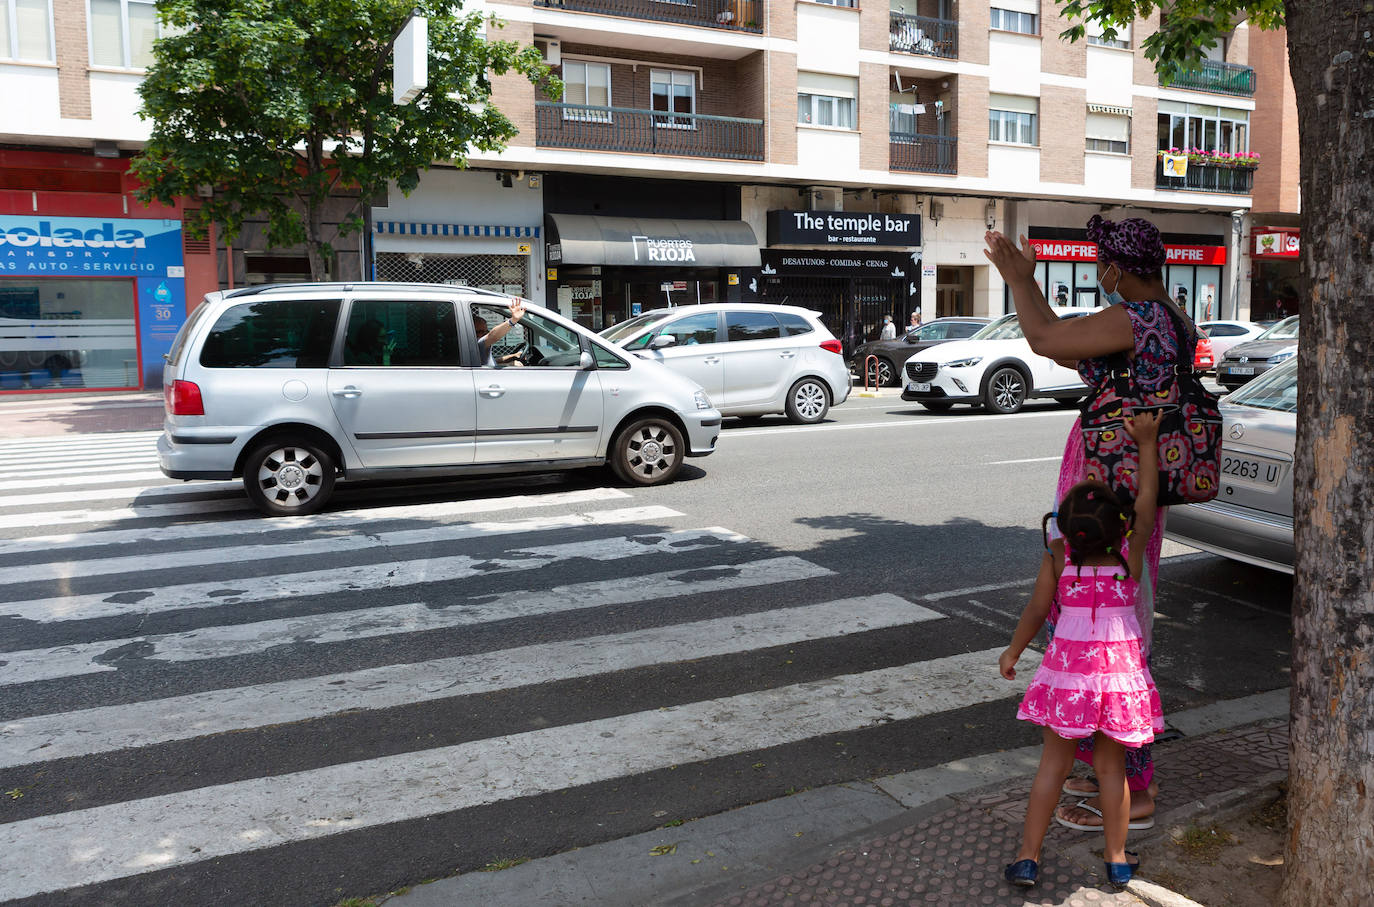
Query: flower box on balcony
x=1240, y=160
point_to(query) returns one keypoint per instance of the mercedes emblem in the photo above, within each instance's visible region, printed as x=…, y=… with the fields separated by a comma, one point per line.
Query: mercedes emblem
x=1237, y=431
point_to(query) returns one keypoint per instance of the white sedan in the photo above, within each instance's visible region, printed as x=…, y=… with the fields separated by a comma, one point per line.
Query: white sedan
x=993, y=368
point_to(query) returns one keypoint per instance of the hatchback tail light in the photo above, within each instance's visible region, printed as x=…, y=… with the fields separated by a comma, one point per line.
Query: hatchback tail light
x=833, y=346
x=182, y=398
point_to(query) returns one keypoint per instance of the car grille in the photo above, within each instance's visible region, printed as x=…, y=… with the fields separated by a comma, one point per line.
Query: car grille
x=921, y=371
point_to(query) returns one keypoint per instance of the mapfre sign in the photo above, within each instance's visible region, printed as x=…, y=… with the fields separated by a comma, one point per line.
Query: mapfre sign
x=1081, y=250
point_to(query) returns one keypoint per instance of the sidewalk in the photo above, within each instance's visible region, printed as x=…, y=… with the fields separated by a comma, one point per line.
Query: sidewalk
x=935, y=836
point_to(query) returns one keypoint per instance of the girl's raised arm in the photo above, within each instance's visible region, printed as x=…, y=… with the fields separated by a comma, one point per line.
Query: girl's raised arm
x=1033, y=617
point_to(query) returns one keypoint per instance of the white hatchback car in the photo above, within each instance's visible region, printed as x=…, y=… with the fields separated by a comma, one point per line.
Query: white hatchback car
x=1226, y=334
x=993, y=368
x=751, y=360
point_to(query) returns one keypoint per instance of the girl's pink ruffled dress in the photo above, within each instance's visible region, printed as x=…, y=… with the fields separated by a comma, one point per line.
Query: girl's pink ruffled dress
x=1093, y=677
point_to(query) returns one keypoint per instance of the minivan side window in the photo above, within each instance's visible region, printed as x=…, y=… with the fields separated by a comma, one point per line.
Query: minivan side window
x=276, y=333
x=792, y=325
x=692, y=330
x=751, y=326
x=403, y=333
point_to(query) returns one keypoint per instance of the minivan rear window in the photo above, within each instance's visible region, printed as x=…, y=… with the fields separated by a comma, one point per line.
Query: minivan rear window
x=278, y=333
x=179, y=344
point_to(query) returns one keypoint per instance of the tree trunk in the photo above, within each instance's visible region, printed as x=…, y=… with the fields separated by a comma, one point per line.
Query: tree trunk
x=1330, y=852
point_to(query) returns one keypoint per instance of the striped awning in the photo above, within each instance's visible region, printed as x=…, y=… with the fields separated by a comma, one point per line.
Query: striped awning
x=409, y=229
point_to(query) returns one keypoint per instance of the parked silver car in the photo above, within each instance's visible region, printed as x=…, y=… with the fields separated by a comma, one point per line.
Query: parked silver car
x=1244, y=361
x=292, y=387
x=1251, y=519
x=751, y=359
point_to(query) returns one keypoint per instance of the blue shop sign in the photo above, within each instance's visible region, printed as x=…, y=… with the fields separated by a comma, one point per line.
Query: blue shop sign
x=148, y=251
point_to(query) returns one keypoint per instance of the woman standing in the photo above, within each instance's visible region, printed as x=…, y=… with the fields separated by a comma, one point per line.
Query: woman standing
x=1135, y=321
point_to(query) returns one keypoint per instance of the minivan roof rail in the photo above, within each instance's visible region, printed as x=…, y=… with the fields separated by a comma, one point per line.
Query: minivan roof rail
x=351, y=285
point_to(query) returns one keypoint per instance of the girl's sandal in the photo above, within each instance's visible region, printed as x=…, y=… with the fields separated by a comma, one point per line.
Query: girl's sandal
x=1120, y=874
x=1022, y=873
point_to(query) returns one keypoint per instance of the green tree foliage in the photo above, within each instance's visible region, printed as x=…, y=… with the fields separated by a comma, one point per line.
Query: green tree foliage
x=1189, y=26
x=278, y=104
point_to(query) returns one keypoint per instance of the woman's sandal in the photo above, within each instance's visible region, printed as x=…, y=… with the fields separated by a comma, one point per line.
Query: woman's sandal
x=1140, y=824
x=1118, y=874
x=1022, y=873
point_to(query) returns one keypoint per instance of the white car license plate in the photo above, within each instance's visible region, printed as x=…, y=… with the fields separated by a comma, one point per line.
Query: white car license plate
x=1241, y=469
x=919, y=387
x=1241, y=370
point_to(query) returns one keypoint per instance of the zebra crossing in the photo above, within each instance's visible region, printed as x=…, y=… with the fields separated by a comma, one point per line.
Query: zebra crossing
x=202, y=705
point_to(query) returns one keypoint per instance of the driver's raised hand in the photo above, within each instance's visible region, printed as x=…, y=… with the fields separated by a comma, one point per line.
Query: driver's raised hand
x=517, y=310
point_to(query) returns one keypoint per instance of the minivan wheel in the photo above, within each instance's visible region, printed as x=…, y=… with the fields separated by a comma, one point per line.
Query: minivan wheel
x=647, y=452
x=1006, y=391
x=808, y=401
x=288, y=479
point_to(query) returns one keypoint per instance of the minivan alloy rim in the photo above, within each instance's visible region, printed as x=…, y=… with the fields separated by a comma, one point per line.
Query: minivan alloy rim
x=810, y=400
x=650, y=451
x=290, y=476
x=1006, y=387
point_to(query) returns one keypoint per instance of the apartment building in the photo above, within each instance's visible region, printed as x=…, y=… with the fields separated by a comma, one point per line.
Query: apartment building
x=813, y=153
x=1273, y=236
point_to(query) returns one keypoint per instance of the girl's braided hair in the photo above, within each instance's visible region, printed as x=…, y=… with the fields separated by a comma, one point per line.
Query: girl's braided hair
x=1093, y=523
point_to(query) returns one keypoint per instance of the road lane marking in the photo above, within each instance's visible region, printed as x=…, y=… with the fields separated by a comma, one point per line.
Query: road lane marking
x=132, y=495
x=1031, y=460
x=849, y=426
x=330, y=627
x=335, y=519
x=68, y=850
x=75, y=479
x=105, y=729
x=329, y=544
x=120, y=514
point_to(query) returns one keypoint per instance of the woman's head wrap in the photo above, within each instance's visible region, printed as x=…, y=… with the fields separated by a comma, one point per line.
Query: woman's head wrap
x=1134, y=244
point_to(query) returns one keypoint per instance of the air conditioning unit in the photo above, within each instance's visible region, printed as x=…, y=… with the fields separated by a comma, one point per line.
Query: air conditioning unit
x=549, y=49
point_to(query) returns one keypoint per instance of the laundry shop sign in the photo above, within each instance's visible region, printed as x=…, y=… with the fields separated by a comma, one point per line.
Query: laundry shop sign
x=842, y=228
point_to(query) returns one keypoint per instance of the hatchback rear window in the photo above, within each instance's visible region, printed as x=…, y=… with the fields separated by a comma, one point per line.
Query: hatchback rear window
x=278, y=333
x=792, y=325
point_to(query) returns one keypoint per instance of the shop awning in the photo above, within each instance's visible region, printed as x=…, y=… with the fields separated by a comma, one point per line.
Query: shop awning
x=585, y=239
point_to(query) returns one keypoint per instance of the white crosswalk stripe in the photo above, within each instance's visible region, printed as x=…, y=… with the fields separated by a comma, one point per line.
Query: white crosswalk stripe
x=127, y=637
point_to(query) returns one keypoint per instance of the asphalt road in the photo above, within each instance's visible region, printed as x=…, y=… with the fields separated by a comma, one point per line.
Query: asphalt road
x=202, y=706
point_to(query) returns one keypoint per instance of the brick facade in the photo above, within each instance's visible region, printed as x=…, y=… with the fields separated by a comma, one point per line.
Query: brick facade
x=971, y=112
x=1063, y=116
x=73, y=59
x=1238, y=46
x=1060, y=55
x=873, y=116
x=781, y=128
x=781, y=19
x=1274, y=124
x=719, y=91
x=1144, y=68
x=512, y=93
x=973, y=33
x=1144, y=129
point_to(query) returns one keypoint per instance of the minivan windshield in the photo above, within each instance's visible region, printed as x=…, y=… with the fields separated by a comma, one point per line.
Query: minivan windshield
x=618, y=332
x=1287, y=329
x=1276, y=389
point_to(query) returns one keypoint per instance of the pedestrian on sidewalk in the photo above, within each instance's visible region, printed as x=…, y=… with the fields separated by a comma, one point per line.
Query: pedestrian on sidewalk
x=1131, y=258
x=1093, y=680
x=889, y=331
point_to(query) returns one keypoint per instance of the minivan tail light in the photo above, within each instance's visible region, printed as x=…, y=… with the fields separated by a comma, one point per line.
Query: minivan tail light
x=833, y=346
x=182, y=398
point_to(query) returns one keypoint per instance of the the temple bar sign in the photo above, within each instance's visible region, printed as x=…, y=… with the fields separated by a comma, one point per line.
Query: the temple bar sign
x=843, y=228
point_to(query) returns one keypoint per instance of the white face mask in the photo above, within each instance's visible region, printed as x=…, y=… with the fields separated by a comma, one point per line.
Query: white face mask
x=1112, y=297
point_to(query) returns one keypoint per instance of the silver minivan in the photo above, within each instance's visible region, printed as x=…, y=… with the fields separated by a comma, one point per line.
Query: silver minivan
x=751, y=359
x=292, y=387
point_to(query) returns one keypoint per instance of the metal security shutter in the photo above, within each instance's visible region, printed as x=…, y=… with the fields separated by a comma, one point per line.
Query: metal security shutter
x=502, y=273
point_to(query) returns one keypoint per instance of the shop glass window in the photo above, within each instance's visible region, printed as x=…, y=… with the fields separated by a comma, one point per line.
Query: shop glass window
x=123, y=32
x=67, y=332
x=26, y=31
x=272, y=334
x=588, y=84
x=1010, y=20
x=1108, y=132
x=751, y=326
x=792, y=325
x=692, y=330
x=826, y=110
x=1012, y=119
x=673, y=92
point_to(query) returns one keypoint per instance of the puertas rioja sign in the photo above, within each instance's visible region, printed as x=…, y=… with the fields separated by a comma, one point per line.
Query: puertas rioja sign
x=842, y=228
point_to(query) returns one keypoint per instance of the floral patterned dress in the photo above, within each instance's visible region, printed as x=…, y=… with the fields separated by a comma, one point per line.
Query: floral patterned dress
x=1093, y=677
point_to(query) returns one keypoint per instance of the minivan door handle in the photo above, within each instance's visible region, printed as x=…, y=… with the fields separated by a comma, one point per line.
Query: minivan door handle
x=348, y=392
x=711, y=360
x=788, y=354
x=492, y=390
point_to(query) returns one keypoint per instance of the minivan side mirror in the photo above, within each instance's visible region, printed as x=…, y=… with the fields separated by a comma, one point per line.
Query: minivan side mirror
x=661, y=341
x=586, y=361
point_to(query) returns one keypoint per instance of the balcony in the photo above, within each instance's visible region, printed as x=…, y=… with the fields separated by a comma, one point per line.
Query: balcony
x=1215, y=76
x=592, y=128
x=1208, y=178
x=923, y=153
x=923, y=35
x=735, y=15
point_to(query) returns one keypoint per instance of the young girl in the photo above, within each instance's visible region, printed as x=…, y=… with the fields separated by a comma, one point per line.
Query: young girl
x=1092, y=681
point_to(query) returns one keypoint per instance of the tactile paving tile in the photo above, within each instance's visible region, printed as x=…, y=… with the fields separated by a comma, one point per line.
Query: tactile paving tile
x=954, y=858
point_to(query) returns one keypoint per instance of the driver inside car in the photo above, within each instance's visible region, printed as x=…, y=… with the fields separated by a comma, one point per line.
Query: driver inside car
x=486, y=339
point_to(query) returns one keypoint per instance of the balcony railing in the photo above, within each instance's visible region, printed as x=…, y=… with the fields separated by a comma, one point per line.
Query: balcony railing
x=1208, y=178
x=736, y=15
x=923, y=153
x=923, y=35
x=1223, y=78
x=647, y=131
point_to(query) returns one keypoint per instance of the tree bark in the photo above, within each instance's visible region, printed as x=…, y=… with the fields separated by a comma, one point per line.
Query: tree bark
x=1330, y=851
